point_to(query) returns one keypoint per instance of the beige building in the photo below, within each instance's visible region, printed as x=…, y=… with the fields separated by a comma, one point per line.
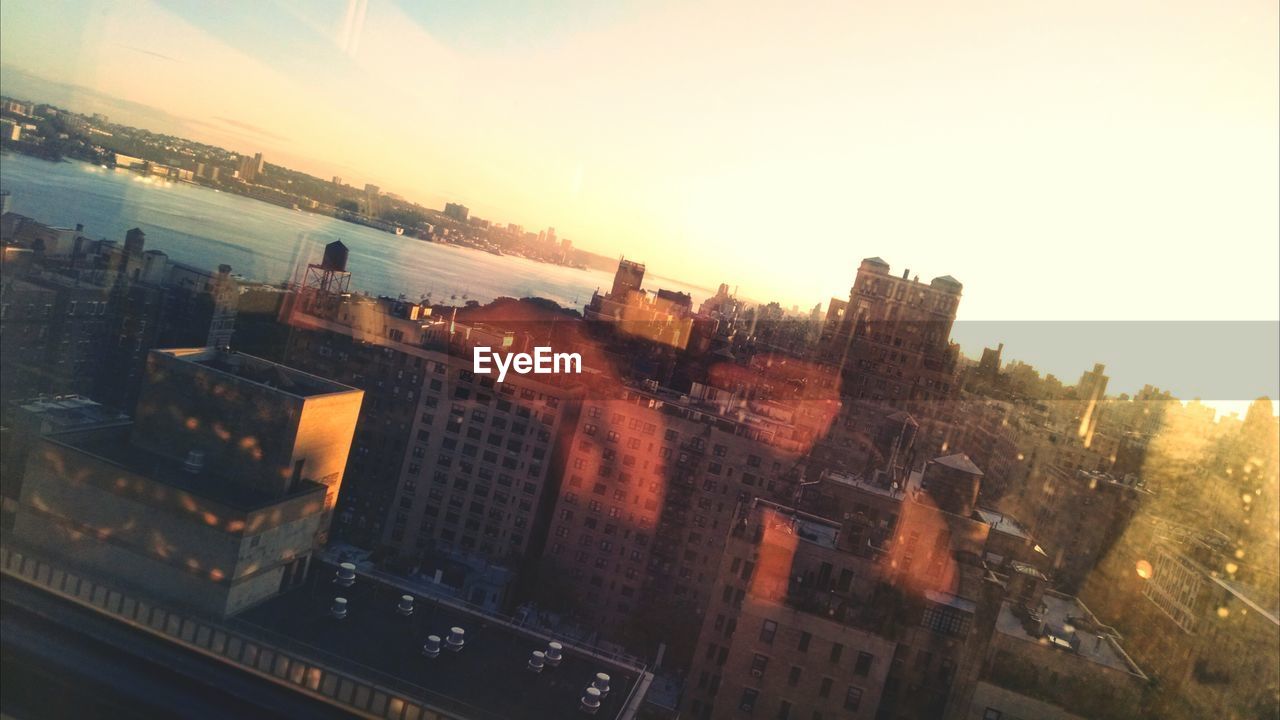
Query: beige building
x=217, y=494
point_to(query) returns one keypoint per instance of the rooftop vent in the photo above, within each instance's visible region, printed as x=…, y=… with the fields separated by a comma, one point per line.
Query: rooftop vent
x=601, y=683
x=405, y=607
x=339, y=608
x=346, y=574
x=590, y=702
x=194, y=462
x=457, y=638
x=431, y=648
x=555, y=653
x=537, y=661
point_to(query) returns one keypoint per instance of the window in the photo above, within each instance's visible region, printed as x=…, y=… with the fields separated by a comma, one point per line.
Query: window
x=748, y=702
x=824, y=690
x=793, y=677
x=804, y=642
x=758, y=665
x=767, y=631
x=784, y=710
x=836, y=651
x=852, y=698
x=862, y=666
x=992, y=714
x=945, y=620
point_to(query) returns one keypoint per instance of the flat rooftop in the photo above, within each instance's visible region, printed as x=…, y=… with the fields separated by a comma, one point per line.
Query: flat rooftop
x=810, y=528
x=865, y=485
x=1003, y=523
x=70, y=411
x=259, y=371
x=487, y=679
x=1061, y=617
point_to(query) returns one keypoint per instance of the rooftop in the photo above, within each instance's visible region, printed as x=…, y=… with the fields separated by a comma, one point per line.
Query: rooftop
x=259, y=371
x=488, y=679
x=811, y=528
x=62, y=411
x=1003, y=523
x=1070, y=628
x=960, y=462
x=894, y=491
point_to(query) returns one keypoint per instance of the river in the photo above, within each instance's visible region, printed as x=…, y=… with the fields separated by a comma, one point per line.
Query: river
x=203, y=227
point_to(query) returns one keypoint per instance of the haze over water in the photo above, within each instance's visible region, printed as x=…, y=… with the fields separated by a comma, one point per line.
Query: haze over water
x=1225, y=363
x=264, y=242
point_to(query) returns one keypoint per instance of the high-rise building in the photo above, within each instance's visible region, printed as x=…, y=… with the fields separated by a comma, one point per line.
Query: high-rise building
x=372, y=200
x=628, y=279
x=52, y=333
x=456, y=211
x=250, y=168
x=781, y=639
x=652, y=481
x=875, y=597
x=1090, y=392
x=892, y=340
x=989, y=365
x=444, y=461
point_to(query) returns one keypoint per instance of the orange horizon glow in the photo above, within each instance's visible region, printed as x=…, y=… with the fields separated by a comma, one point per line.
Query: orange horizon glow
x=771, y=148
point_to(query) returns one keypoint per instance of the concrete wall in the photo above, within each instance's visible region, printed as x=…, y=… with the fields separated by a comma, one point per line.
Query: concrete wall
x=179, y=546
x=324, y=432
x=1012, y=706
x=245, y=430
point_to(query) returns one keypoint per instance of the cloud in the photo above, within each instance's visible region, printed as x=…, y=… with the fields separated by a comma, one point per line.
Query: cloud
x=149, y=52
x=254, y=129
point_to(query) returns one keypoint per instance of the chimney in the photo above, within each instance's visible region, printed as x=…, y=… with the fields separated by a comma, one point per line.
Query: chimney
x=346, y=574
x=457, y=638
x=590, y=702
x=906, y=273
x=601, y=683
x=339, y=608
x=537, y=661
x=431, y=648
x=405, y=607
x=554, y=654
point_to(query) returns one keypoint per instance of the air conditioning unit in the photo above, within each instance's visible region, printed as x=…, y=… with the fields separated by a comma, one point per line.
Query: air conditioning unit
x=757, y=673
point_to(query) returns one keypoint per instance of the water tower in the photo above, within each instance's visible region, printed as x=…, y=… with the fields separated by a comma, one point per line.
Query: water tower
x=329, y=276
x=324, y=283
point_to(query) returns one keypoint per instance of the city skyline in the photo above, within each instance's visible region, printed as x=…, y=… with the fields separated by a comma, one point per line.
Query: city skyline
x=640, y=361
x=1105, y=170
x=1184, y=358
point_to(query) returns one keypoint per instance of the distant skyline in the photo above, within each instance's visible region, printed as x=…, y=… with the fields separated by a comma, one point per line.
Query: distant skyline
x=1065, y=161
x=1079, y=157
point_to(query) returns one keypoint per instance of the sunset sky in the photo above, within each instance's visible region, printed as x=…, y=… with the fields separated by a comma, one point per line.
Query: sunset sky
x=1064, y=160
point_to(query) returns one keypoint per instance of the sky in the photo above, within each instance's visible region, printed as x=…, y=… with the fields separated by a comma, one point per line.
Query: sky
x=1065, y=159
